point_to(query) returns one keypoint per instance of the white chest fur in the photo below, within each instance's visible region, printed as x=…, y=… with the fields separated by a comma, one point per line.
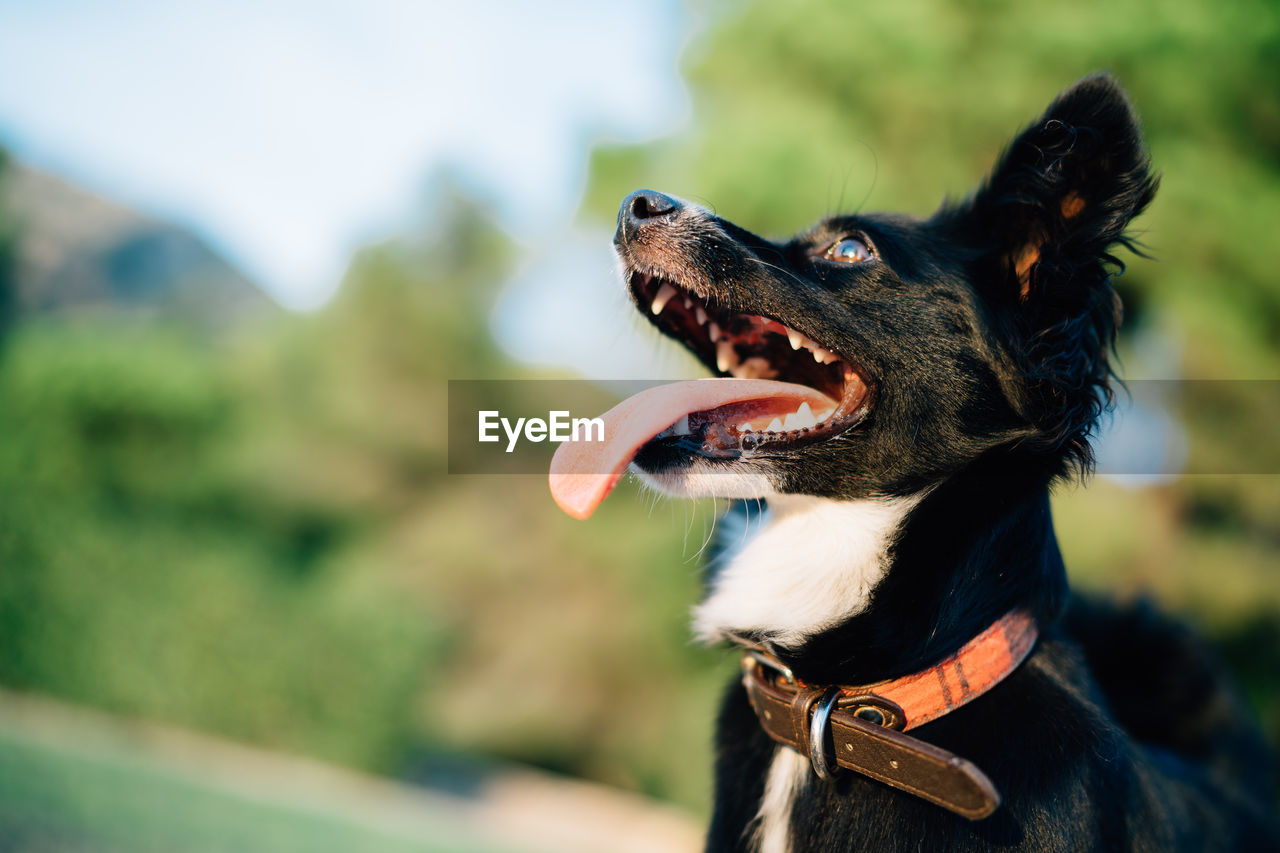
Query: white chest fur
x=811, y=564
x=788, y=773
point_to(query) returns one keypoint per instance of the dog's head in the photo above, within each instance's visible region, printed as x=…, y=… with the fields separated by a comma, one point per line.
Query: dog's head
x=981, y=330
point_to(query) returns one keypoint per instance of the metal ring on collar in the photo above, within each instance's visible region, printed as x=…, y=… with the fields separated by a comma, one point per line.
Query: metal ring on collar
x=824, y=767
x=876, y=710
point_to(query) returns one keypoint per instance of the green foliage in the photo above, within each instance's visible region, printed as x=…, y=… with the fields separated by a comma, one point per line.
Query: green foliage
x=143, y=572
x=8, y=235
x=181, y=526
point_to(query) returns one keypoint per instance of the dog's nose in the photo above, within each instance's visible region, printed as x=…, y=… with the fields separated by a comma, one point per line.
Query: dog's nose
x=644, y=207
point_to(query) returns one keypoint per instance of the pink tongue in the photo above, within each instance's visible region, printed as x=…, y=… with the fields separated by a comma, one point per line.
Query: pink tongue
x=584, y=472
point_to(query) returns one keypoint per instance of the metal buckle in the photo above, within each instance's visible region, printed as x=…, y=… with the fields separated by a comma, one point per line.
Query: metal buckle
x=876, y=710
x=769, y=661
x=818, y=726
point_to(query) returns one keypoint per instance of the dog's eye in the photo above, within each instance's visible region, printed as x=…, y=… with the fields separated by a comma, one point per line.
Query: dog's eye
x=850, y=250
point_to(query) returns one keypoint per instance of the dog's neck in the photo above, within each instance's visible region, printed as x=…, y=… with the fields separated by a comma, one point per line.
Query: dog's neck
x=948, y=564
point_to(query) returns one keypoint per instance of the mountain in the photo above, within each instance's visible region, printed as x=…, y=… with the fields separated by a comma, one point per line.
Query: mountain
x=75, y=252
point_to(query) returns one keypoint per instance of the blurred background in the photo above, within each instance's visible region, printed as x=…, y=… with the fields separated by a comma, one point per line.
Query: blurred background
x=243, y=247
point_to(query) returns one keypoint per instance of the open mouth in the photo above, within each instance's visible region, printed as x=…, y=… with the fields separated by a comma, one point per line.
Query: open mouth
x=779, y=390
x=752, y=346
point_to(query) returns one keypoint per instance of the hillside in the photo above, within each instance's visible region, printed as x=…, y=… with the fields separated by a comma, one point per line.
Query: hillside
x=76, y=252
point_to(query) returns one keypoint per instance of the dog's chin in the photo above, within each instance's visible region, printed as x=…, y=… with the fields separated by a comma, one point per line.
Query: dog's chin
x=701, y=478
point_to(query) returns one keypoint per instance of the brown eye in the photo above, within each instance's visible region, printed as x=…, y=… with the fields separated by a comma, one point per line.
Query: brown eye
x=849, y=250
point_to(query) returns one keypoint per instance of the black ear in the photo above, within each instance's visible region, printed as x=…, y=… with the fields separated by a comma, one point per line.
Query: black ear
x=1060, y=198
x=1042, y=228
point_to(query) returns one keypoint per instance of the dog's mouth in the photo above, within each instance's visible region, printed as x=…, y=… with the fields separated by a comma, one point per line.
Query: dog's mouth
x=752, y=346
x=778, y=391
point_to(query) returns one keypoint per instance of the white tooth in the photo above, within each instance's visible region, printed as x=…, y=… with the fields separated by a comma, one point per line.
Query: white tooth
x=797, y=339
x=726, y=357
x=745, y=426
x=660, y=301
x=682, y=426
x=701, y=315
x=714, y=331
x=823, y=415
x=688, y=303
x=756, y=367
x=804, y=417
x=823, y=355
x=791, y=421
x=775, y=425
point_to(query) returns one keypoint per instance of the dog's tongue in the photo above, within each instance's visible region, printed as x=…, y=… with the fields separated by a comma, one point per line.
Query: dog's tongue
x=584, y=472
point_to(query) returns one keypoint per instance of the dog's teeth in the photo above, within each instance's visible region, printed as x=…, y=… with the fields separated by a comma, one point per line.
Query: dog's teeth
x=681, y=426
x=803, y=417
x=775, y=425
x=822, y=355
x=823, y=415
x=791, y=421
x=796, y=339
x=713, y=331
x=662, y=298
x=744, y=427
x=688, y=303
x=756, y=367
x=726, y=357
x=700, y=315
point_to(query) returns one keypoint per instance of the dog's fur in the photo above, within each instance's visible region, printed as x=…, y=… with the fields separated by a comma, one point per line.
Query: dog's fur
x=983, y=333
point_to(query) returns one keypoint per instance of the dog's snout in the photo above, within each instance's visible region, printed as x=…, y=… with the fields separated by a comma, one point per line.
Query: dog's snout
x=647, y=204
x=644, y=207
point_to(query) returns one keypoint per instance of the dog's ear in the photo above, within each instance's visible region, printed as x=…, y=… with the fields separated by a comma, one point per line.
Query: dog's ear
x=1042, y=227
x=1060, y=198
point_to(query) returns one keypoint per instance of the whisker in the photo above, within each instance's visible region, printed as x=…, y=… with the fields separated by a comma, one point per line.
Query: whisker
x=715, y=515
x=788, y=273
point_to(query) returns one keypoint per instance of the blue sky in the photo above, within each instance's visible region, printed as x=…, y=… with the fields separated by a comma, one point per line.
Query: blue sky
x=288, y=133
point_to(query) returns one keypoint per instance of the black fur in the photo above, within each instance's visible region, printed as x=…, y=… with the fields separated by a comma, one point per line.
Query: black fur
x=983, y=332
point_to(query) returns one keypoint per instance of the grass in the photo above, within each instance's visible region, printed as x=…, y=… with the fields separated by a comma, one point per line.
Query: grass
x=62, y=792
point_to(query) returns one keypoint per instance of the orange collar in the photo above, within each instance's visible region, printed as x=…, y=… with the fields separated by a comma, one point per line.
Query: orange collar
x=859, y=726
x=924, y=696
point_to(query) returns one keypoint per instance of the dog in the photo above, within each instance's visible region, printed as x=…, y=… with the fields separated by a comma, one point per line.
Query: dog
x=905, y=392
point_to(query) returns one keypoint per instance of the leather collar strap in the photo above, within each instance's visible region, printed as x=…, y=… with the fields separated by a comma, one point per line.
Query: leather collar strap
x=861, y=727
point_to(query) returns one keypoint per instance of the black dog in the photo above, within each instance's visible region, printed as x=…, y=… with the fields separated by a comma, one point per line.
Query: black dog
x=908, y=545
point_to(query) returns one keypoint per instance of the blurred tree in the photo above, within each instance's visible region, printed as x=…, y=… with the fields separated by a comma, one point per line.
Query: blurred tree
x=182, y=520
x=8, y=238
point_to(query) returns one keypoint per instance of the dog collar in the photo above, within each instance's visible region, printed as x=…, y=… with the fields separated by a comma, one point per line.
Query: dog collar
x=861, y=727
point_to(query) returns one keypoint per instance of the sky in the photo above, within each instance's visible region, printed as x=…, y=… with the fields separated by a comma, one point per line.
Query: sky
x=290, y=133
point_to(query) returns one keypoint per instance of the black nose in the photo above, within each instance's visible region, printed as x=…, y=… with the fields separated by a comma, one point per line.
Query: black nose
x=644, y=207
